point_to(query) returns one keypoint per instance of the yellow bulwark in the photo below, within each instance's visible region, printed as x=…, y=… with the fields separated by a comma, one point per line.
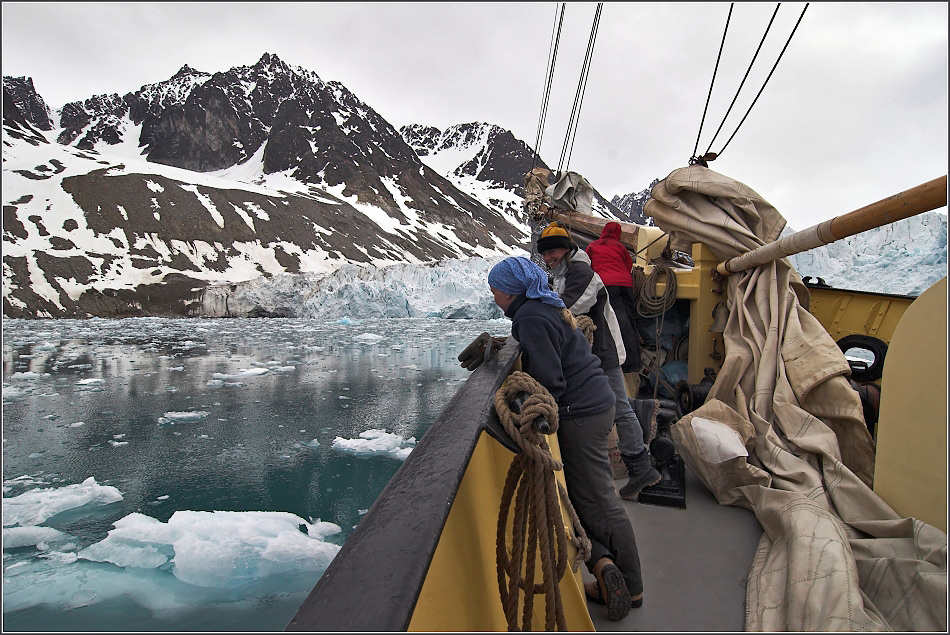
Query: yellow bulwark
x=460, y=592
x=911, y=466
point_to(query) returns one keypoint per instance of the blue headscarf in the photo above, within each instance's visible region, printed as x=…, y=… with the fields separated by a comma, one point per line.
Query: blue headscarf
x=520, y=275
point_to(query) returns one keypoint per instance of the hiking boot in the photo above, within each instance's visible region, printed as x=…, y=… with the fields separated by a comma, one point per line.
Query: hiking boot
x=640, y=477
x=611, y=591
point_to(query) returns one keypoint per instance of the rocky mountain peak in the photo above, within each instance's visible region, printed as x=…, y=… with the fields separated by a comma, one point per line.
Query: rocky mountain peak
x=186, y=71
x=21, y=92
x=271, y=63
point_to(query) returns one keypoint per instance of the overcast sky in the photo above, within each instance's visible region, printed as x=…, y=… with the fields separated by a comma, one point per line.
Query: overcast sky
x=856, y=110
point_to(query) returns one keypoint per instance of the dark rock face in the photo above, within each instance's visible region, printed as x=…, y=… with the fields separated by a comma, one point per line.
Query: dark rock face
x=20, y=92
x=15, y=123
x=99, y=117
x=631, y=205
x=280, y=312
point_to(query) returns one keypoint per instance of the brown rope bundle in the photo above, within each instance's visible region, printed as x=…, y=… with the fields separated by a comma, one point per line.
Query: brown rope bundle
x=537, y=524
x=587, y=327
x=649, y=304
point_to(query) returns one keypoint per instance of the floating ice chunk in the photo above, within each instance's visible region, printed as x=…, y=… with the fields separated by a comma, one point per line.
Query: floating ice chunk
x=242, y=372
x=14, y=537
x=122, y=550
x=218, y=549
x=90, y=381
x=375, y=442
x=346, y=320
x=174, y=417
x=284, y=369
x=215, y=383
x=177, y=368
x=369, y=338
x=117, y=444
x=29, y=374
x=11, y=393
x=37, y=505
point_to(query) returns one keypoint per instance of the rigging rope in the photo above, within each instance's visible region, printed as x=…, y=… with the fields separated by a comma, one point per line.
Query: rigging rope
x=709, y=156
x=767, y=78
x=552, y=61
x=742, y=83
x=713, y=81
x=579, y=95
x=537, y=523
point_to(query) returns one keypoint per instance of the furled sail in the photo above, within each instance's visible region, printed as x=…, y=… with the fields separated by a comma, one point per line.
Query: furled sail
x=782, y=433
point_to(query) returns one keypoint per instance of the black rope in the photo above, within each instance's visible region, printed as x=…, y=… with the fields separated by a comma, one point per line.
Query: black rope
x=713, y=81
x=742, y=83
x=767, y=78
x=552, y=61
x=579, y=96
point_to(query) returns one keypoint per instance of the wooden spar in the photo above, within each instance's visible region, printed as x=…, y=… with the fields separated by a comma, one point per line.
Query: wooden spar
x=594, y=225
x=917, y=200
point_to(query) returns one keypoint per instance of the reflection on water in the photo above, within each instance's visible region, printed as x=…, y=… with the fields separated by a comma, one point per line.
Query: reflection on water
x=231, y=415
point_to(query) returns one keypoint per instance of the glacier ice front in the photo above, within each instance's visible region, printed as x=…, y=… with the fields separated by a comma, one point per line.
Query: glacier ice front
x=451, y=289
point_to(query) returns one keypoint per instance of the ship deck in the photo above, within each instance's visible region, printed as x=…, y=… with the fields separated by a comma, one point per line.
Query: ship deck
x=695, y=564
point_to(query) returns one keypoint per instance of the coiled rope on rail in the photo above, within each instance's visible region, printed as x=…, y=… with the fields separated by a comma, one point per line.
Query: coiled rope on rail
x=537, y=524
x=587, y=327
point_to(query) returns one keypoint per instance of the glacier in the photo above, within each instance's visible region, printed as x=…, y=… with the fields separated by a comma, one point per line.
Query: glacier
x=904, y=258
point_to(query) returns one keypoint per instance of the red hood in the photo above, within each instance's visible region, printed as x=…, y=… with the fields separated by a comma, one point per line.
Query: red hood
x=611, y=230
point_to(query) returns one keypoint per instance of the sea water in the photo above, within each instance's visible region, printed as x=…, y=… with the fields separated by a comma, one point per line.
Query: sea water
x=199, y=475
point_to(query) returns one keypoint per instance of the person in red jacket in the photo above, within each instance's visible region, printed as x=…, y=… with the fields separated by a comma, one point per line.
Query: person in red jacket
x=610, y=260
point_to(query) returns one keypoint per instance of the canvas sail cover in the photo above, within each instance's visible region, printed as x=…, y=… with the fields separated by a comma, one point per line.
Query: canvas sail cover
x=571, y=192
x=782, y=433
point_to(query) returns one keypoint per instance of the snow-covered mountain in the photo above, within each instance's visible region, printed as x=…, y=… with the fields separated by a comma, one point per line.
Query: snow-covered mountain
x=487, y=162
x=134, y=204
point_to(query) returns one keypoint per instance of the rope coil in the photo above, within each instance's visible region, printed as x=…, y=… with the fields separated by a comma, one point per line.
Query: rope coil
x=537, y=525
x=587, y=327
x=649, y=304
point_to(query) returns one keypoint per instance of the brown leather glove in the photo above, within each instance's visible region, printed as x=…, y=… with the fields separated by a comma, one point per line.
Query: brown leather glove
x=480, y=350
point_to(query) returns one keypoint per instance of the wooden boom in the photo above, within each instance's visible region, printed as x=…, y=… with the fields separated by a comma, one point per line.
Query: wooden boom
x=917, y=200
x=594, y=225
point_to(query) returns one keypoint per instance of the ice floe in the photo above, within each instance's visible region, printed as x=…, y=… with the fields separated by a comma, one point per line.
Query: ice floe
x=38, y=505
x=376, y=442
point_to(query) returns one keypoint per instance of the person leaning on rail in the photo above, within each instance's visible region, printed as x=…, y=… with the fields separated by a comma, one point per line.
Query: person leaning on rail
x=584, y=293
x=557, y=355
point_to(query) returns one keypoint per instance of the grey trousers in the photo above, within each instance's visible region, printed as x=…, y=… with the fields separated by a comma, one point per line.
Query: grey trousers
x=629, y=430
x=590, y=484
